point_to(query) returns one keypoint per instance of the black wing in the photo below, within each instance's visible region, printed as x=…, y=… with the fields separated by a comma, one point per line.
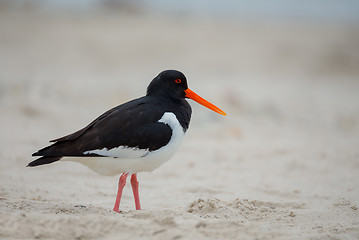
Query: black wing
x=132, y=124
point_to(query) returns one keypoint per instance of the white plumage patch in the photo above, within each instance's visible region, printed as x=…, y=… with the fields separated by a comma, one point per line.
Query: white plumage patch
x=131, y=160
x=176, y=139
x=120, y=152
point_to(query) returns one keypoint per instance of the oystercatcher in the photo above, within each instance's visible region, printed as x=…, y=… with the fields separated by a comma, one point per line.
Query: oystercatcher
x=136, y=136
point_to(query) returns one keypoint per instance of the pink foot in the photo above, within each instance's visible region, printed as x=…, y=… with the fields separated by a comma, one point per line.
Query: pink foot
x=121, y=185
x=134, y=184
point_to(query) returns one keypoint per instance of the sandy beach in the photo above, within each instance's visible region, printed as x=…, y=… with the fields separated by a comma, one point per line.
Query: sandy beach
x=284, y=163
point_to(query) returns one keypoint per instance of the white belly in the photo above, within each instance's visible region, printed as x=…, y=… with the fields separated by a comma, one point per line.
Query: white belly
x=132, y=160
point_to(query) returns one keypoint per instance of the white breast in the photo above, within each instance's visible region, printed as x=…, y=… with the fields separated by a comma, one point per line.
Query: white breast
x=131, y=160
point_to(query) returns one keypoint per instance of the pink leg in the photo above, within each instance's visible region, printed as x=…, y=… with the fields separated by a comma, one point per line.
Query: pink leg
x=134, y=184
x=121, y=185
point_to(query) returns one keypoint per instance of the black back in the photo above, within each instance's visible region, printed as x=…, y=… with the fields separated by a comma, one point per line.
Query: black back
x=132, y=124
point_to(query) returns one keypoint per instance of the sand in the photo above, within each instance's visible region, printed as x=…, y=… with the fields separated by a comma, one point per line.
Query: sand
x=284, y=163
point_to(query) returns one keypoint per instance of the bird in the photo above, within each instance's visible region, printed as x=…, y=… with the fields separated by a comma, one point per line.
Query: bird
x=136, y=136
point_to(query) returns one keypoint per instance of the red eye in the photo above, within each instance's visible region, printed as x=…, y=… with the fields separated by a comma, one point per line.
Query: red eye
x=178, y=81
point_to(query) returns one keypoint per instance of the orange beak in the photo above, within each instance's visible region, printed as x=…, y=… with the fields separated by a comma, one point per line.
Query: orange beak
x=192, y=95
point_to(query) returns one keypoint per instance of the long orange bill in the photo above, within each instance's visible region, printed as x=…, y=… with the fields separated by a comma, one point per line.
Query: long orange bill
x=192, y=95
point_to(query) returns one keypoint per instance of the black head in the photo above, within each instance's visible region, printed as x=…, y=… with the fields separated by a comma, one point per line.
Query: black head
x=170, y=83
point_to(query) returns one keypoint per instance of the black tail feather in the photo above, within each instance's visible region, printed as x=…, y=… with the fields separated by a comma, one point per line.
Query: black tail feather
x=43, y=160
x=45, y=151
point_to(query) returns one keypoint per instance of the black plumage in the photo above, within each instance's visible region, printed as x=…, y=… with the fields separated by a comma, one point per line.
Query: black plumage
x=133, y=124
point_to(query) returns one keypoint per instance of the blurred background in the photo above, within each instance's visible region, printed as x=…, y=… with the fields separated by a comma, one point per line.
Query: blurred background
x=286, y=72
x=282, y=63
x=279, y=68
